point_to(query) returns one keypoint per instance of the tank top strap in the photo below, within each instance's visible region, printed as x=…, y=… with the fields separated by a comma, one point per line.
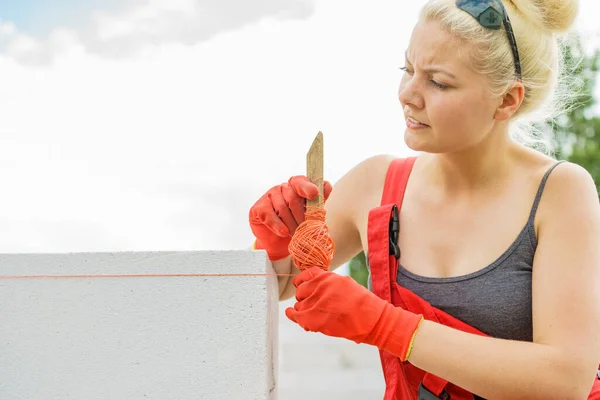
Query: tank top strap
x=538, y=195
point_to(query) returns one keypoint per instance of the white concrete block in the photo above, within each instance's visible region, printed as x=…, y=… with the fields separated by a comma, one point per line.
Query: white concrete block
x=138, y=337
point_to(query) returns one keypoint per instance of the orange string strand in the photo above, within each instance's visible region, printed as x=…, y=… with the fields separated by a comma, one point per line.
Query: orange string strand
x=130, y=276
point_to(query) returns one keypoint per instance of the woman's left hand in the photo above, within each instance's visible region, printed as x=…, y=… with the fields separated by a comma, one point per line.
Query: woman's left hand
x=337, y=305
x=334, y=305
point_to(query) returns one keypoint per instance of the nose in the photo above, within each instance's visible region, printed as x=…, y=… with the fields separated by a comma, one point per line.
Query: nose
x=409, y=93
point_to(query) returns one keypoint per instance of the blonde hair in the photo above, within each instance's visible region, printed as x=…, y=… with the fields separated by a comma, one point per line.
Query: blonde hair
x=539, y=27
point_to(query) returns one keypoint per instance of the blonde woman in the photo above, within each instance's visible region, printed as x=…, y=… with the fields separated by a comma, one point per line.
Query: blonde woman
x=484, y=253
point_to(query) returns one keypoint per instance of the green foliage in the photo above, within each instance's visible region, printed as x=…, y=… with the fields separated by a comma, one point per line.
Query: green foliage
x=576, y=133
x=358, y=268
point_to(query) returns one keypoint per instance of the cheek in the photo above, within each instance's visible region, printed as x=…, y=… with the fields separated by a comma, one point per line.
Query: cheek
x=447, y=112
x=458, y=112
x=457, y=121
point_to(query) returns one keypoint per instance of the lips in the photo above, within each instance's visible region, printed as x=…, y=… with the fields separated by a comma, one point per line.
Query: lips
x=414, y=121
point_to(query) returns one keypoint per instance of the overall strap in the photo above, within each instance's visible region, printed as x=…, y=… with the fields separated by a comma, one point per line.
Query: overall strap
x=383, y=220
x=381, y=258
x=396, y=180
x=393, y=193
x=392, y=198
x=384, y=254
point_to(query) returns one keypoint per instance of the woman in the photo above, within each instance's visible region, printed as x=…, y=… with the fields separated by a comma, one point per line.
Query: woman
x=492, y=232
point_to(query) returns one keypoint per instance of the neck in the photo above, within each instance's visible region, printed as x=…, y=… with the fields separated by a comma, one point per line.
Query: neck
x=481, y=167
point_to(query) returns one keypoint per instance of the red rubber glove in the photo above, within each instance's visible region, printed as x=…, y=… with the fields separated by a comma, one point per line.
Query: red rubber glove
x=337, y=305
x=276, y=215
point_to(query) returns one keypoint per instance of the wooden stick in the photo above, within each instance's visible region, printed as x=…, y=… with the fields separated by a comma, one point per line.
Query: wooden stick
x=314, y=168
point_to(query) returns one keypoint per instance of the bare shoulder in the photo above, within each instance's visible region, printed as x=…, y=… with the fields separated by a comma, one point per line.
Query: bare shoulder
x=569, y=208
x=571, y=175
x=364, y=178
x=569, y=187
x=567, y=260
x=375, y=164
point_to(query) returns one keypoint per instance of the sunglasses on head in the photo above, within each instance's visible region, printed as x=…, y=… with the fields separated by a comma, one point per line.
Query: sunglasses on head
x=491, y=14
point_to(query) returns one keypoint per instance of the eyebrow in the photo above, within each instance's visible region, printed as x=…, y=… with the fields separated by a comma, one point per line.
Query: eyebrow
x=433, y=69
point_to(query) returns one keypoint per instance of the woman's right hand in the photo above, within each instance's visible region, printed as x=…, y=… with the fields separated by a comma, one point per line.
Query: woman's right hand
x=276, y=215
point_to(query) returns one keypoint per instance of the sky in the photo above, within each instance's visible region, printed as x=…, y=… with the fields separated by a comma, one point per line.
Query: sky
x=154, y=125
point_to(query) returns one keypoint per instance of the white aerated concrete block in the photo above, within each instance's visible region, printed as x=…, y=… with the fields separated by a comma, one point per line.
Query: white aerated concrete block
x=83, y=336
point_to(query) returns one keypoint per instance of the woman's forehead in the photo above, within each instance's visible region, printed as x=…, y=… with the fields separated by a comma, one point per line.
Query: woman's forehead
x=430, y=44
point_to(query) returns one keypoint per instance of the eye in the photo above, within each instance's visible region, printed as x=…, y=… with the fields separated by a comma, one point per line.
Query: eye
x=438, y=85
x=405, y=69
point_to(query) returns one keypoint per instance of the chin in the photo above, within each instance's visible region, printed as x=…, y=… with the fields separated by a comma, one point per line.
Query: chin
x=419, y=143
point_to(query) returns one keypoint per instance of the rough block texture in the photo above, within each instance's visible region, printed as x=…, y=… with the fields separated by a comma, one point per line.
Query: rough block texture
x=138, y=338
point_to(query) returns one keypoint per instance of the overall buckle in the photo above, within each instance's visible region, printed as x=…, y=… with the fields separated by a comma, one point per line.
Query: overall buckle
x=394, y=231
x=425, y=394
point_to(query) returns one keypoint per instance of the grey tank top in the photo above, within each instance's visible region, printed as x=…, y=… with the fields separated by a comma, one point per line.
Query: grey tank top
x=496, y=299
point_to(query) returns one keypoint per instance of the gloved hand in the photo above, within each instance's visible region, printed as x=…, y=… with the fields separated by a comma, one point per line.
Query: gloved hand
x=337, y=305
x=276, y=215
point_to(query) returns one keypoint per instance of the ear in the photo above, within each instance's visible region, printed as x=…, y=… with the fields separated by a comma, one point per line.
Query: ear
x=511, y=101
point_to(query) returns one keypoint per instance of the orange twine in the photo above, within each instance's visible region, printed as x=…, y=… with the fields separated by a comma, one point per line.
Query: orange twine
x=311, y=245
x=133, y=276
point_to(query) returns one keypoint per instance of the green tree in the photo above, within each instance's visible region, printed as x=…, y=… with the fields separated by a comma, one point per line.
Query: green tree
x=576, y=132
x=358, y=268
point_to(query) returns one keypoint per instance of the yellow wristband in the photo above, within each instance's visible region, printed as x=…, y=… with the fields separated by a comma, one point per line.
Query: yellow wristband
x=410, y=345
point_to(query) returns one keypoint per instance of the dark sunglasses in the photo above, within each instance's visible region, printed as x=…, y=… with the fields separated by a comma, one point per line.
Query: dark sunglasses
x=491, y=14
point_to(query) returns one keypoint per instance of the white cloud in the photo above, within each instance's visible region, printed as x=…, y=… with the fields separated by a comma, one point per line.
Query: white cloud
x=148, y=23
x=7, y=28
x=156, y=19
x=168, y=149
x=105, y=141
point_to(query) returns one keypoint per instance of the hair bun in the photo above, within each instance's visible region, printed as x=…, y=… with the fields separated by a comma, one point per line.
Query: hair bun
x=552, y=15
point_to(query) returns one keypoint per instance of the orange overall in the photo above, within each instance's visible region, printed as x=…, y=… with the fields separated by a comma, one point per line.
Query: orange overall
x=403, y=380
